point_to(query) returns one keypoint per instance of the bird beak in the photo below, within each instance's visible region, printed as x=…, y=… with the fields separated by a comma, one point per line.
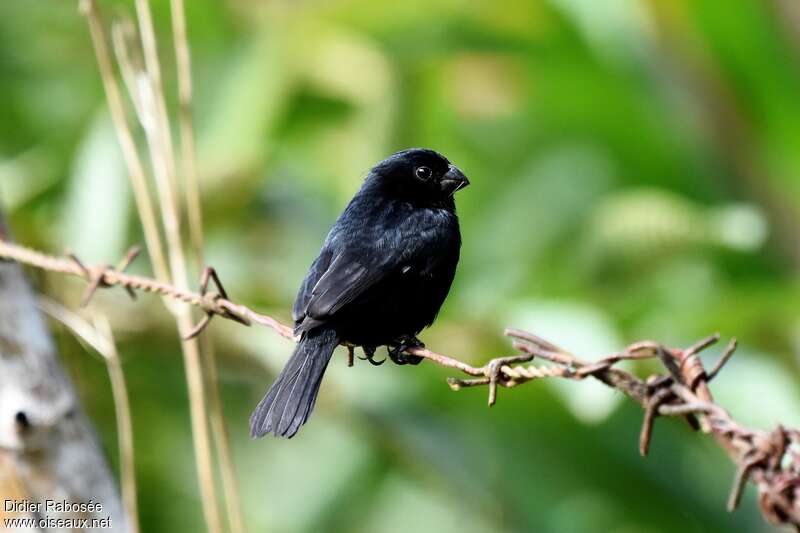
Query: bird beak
x=454, y=180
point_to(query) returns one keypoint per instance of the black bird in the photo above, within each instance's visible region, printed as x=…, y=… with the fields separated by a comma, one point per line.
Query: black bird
x=383, y=272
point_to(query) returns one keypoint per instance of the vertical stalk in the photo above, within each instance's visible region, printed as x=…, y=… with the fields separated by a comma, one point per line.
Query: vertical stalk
x=153, y=116
x=157, y=130
x=136, y=171
x=122, y=409
x=194, y=210
x=100, y=338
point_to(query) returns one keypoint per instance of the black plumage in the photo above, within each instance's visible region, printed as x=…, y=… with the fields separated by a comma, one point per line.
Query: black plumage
x=384, y=271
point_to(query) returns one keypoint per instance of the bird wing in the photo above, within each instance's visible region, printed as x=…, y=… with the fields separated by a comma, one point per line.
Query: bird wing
x=317, y=269
x=347, y=277
x=354, y=264
x=350, y=273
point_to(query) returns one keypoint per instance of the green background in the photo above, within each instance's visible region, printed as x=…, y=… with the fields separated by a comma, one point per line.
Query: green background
x=634, y=169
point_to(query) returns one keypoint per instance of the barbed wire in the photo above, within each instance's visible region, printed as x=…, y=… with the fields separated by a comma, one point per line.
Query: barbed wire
x=771, y=460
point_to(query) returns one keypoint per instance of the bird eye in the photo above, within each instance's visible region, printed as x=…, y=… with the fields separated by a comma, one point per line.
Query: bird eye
x=423, y=173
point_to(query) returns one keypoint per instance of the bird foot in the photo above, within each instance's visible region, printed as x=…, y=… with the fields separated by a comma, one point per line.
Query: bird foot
x=369, y=355
x=398, y=352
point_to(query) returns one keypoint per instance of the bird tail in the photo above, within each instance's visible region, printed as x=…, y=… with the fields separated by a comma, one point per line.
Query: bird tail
x=289, y=401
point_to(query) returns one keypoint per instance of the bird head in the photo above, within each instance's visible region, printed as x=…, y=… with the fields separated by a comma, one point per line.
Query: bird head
x=420, y=173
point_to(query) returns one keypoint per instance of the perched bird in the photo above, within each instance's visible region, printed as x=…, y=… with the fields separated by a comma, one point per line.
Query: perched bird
x=383, y=272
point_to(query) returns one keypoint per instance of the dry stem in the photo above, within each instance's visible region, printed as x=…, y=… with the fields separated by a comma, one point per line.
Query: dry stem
x=132, y=161
x=100, y=337
x=147, y=94
x=192, y=196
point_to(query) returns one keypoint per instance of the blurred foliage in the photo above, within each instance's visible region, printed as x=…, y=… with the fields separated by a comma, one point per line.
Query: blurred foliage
x=635, y=175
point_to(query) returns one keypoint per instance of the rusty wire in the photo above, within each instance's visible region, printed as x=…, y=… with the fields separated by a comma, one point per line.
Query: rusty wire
x=771, y=460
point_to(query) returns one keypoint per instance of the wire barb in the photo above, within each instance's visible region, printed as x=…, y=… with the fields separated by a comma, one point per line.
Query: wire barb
x=210, y=274
x=739, y=482
x=77, y=262
x=97, y=276
x=498, y=371
x=650, y=413
x=130, y=256
x=727, y=354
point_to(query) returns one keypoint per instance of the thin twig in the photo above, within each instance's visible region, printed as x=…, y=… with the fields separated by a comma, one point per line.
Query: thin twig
x=100, y=338
x=127, y=144
x=149, y=103
x=119, y=391
x=155, y=123
x=219, y=431
x=188, y=150
x=159, y=107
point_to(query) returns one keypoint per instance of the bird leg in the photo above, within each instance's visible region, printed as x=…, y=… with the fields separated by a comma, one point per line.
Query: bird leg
x=398, y=352
x=369, y=355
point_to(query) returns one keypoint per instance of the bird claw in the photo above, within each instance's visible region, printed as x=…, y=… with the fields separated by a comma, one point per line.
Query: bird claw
x=369, y=355
x=398, y=353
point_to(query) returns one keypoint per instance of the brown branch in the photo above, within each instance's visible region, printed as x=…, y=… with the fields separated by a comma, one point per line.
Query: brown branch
x=771, y=460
